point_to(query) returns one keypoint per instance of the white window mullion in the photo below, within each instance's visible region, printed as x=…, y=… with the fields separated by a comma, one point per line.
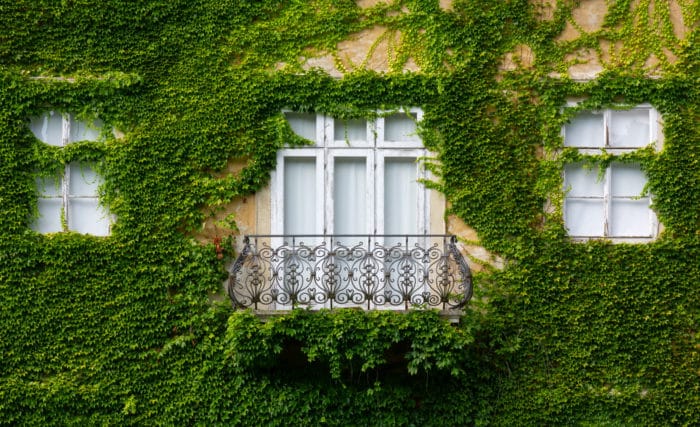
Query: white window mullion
x=65, y=185
x=65, y=138
x=321, y=223
x=371, y=177
x=607, y=202
x=325, y=132
x=422, y=202
x=606, y=128
x=328, y=190
x=324, y=128
x=65, y=190
x=379, y=193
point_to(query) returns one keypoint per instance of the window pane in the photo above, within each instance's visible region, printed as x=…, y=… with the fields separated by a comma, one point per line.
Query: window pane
x=400, y=196
x=84, y=181
x=356, y=130
x=49, y=220
x=86, y=216
x=300, y=196
x=400, y=127
x=350, y=196
x=584, y=218
x=84, y=131
x=303, y=124
x=581, y=182
x=48, y=128
x=629, y=128
x=628, y=180
x=585, y=130
x=48, y=186
x=630, y=218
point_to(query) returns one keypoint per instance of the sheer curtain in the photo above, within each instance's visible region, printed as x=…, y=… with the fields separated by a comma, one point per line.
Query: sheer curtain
x=629, y=128
x=585, y=204
x=84, y=213
x=303, y=124
x=48, y=128
x=50, y=205
x=300, y=195
x=630, y=211
x=350, y=130
x=400, y=127
x=587, y=129
x=350, y=196
x=400, y=197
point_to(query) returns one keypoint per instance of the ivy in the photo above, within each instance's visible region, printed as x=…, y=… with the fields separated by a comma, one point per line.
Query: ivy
x=133, y=328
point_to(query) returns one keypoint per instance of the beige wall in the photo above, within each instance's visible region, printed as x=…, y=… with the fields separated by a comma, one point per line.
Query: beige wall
x=374, y=48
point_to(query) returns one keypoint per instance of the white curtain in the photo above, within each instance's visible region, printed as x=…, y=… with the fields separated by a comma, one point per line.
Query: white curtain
x=585, y=130
x=48, y=128
x=303, y=124
x=300, y=195
x=356, y=130
x=400, y=196
x=629, y=128
x=585, y=206
x=400, y=127
x=49, y=204
x=350, y=196
x=630, y=212
x=83, y=131
x=85, y=215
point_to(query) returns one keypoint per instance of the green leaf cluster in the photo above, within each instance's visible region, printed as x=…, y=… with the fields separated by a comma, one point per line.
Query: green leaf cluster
x=130, y=329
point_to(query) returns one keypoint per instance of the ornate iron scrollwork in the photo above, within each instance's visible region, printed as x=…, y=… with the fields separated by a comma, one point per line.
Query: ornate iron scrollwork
x=372, y=271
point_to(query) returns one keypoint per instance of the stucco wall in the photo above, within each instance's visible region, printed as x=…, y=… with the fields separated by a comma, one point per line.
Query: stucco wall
x=375, y=49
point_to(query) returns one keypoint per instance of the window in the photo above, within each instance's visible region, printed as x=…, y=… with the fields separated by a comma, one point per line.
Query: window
x=69, y=201
x=350, y=224
x=612, y=202
x=360, y=177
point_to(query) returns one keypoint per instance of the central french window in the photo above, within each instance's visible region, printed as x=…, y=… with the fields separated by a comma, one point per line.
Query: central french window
x=359, y=177
x=350, y=223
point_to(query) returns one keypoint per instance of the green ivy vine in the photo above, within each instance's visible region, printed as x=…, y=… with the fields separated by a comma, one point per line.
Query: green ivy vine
x=131, y=328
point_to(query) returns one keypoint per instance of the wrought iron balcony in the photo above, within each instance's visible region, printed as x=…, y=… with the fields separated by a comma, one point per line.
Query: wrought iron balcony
x=280, y=272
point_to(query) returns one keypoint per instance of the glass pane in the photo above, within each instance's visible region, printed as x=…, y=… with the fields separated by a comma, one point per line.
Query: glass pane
x=400, y=196
x=49, y=220
x=85, y=131
x=584, y=218
x=303, y=124
x=630, y=218
x=350, y=196
x=48, y=128
x=628, y=180
x=86, y=216
x=585, y=130
x=84, y=181
x=48, y=186
x=629, y=128
x=300, y=196
x=581, y=182
x=400, y=127
x=356, y=130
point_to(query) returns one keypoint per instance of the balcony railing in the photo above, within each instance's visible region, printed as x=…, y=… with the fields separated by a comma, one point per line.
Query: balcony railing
x=280, y=272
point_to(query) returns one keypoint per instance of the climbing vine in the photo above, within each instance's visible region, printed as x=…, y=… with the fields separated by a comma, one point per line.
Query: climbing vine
x=131, y=328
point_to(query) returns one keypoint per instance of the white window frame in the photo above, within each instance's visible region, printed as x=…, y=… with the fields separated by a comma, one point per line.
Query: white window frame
x=606, y=177
x=326, y=149
x=64, y=192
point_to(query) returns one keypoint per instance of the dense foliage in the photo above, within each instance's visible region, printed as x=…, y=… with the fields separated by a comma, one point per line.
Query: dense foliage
x=127, y=329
